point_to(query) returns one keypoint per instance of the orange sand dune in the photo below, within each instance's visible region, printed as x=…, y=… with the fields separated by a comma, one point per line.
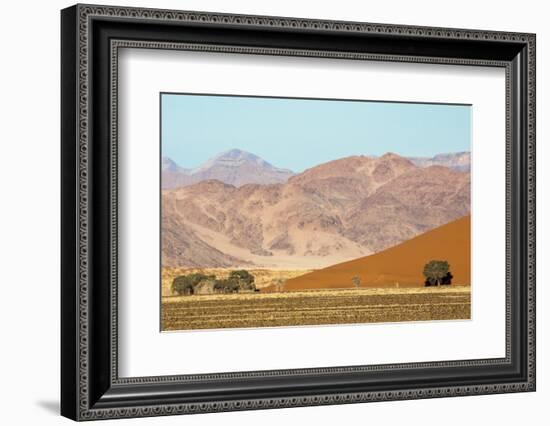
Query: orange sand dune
x=401, y=265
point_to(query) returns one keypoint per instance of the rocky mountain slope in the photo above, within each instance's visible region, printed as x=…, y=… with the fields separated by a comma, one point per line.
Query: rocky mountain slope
x=331, y=213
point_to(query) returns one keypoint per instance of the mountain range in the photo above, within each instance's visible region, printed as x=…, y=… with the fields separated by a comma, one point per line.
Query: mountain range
x=331, y=213
x=234, y=167
x=237, y=168
x=459, y=161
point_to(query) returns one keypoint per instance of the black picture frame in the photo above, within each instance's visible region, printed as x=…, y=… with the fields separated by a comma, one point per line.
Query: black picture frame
x=90, y=386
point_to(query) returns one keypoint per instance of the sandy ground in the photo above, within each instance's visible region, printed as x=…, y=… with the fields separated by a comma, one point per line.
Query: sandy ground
x=281, y=260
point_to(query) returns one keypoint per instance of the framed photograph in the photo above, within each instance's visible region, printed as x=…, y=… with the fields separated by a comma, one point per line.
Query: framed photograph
x=335, y=236
x=263, y=212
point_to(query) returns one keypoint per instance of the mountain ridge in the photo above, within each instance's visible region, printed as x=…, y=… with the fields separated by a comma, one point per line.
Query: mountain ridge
x=235, y=167
x=459, y=161
x=330, y=213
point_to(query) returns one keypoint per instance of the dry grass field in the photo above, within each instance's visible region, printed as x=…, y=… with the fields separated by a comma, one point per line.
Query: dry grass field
x=315, y=307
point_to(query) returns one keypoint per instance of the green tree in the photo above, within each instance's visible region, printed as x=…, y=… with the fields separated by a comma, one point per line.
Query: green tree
x=185, y=284
x=227, y=286
x=243, y=278
x=435, y=271
x=356, y=280
x=182, y=285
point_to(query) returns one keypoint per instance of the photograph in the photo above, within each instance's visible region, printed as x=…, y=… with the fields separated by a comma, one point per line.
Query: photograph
x=280, y=211
x=264, y=209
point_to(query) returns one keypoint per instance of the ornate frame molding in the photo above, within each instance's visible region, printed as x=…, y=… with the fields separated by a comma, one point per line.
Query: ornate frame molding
x=82, y=16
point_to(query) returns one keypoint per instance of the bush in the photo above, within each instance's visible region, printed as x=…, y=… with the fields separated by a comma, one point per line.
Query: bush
x=181, y=285
x=226, y=286
x=185, y=284
x=237, y=280
x=243, y=279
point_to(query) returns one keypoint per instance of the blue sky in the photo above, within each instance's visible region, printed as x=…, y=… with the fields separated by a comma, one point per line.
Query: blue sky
x=301, y=133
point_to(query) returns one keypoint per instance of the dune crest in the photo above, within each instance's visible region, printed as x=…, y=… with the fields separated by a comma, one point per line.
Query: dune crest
x=401, y=265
